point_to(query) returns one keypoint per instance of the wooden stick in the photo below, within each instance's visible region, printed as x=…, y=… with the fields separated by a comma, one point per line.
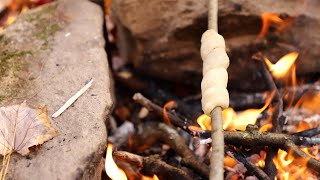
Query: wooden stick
x=213, y=15
x=217, y=156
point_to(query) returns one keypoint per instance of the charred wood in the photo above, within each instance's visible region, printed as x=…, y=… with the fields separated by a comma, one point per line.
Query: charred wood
x=308, y=133
x=249, y=165
x=151, y=89
x=152, y=165
x=159, y=132
x=277, y=122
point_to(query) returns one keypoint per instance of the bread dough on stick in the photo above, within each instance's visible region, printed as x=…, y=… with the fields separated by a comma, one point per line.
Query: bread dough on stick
x=215, y=77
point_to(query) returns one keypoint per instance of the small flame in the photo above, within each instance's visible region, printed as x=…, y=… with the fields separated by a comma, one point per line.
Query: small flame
x=168, y=105
x=267, y=20
x=265, y=127
x=309, y=101
x=204, y=121
x=261, y=161
x=232, y=120
x=312, y=103
x=282, y=67
x=155, y=177
x=291, y=96
x=290, y=168
x=112, y=170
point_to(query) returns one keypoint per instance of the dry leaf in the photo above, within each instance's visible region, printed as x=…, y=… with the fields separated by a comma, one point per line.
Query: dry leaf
x=22, y=127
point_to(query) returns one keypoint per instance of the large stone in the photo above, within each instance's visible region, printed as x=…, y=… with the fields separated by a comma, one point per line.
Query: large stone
x=65, y=46
x=162, y=38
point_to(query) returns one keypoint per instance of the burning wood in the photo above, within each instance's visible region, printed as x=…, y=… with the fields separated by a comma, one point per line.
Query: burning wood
x=264, y=140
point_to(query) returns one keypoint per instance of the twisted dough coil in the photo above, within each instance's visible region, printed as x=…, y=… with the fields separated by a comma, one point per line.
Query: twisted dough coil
x=215, y=76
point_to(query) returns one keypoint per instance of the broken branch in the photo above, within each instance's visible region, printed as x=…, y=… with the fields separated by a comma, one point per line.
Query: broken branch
x=259, y=173
x=152, y=165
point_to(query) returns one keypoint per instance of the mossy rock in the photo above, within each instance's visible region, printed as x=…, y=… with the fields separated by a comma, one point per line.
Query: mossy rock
x=20, y=43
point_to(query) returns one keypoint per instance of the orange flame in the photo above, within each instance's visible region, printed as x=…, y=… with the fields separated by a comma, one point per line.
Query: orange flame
x=290, y=97
x=232, y=120
x=204, y=121
x=112, y=170
x=269, y=19
x=312, y=103
x=168, y=105
x=261, y=160
x=281, y=68
x=155, y=177
x=290, y=168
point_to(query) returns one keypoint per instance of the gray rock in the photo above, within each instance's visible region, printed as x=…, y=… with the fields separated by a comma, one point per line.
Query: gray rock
x=67, y=51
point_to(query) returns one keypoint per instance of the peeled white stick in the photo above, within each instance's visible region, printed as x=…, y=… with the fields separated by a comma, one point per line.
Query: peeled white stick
x=217, y=156
x=72, y=99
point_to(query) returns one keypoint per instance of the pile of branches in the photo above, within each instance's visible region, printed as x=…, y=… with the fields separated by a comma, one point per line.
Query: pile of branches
x=235, y=141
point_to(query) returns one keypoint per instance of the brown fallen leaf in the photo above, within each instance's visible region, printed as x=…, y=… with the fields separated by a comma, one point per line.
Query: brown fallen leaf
x=22, y=127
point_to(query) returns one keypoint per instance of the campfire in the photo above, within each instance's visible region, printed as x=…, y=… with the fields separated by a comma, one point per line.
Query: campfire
x=158, y=130
x=269, y=134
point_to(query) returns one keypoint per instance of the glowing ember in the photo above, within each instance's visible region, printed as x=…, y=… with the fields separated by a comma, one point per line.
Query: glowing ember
x=112, y=170
x=281, y=68
x=168, y=105
x=229, y=162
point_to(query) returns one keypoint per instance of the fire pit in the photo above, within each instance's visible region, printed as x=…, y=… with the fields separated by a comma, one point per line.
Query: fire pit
x=271, y=128
x=154, y=120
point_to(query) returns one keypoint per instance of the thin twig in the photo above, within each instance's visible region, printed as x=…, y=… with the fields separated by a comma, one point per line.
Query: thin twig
x=250, y=137
x=277, y=122
x=194, y=129
x=139, y=98
x=154, y=132
x=308, y=133
x=255, y=170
